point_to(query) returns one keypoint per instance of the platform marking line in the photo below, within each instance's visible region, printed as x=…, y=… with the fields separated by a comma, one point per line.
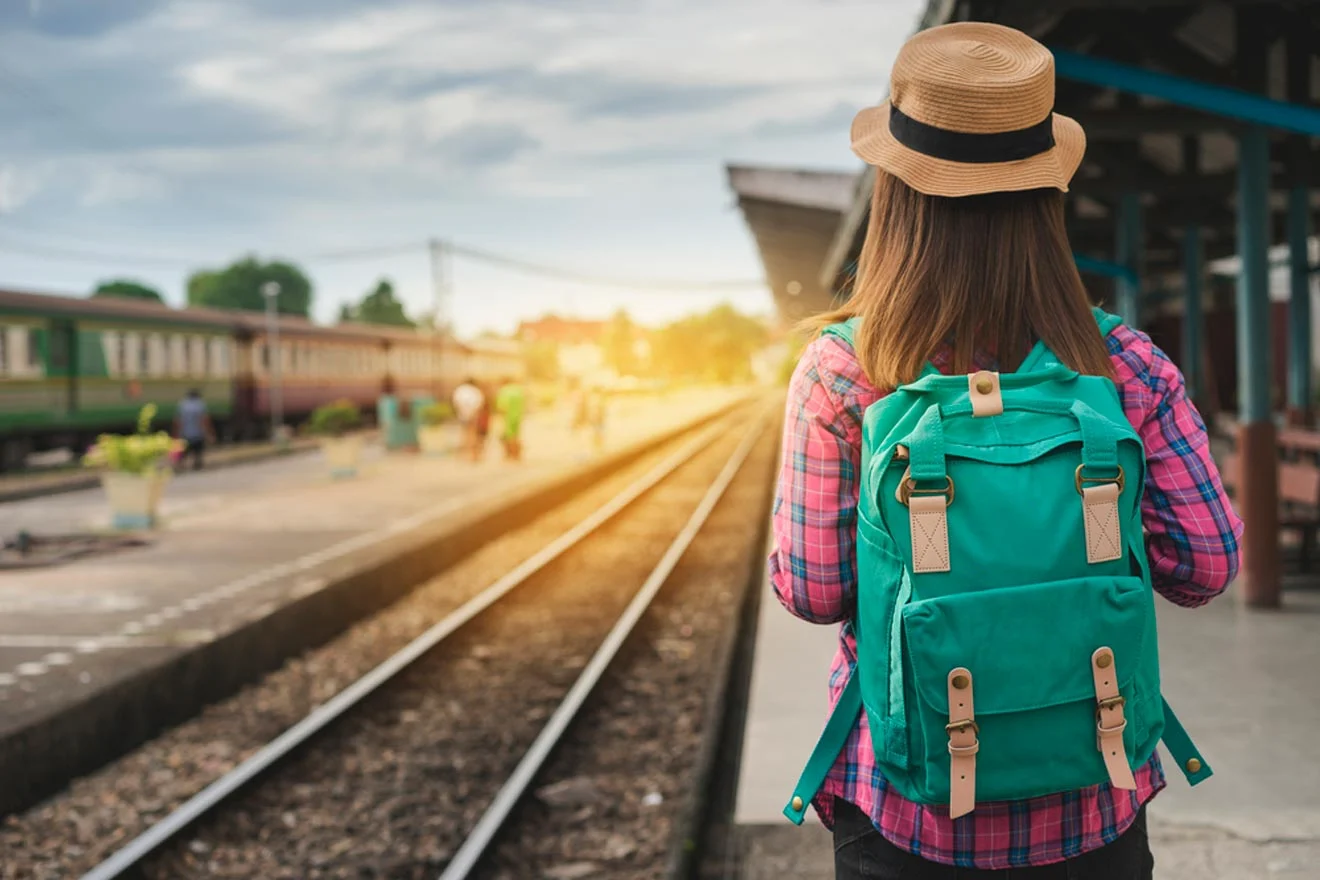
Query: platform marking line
x=130, y=634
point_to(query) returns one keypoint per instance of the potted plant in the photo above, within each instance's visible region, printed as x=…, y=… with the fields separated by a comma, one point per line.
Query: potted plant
x=436, y=434
x=136, y=468
x=333, y=423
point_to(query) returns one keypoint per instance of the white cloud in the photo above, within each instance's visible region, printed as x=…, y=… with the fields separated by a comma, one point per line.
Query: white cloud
x=586, y=133
x=16, y=188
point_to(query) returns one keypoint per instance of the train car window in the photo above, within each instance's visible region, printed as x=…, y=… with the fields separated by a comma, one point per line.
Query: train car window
x=265, y=356
x=219, y=363
x=58, y=343
x=155, y=355
x=137, y=353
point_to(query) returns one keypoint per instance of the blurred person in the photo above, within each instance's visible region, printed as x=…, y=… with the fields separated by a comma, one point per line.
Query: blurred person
x=511, y=402
x=468, y=401
x=192, y=425
x=577, y=399
x=482, y=423
x=595, y=417
x=966, y=270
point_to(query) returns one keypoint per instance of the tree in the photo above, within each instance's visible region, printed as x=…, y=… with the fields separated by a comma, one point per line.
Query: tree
x=717, y=346
x=618, y=343
x=126, y=289
x=238, y=286
x=542, y=359
x=378, y=307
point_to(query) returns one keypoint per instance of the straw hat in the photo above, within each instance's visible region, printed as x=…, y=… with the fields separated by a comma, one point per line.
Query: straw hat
x=971, y=111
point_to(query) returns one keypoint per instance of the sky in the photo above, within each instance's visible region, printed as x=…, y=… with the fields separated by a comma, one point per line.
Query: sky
x=150, y=138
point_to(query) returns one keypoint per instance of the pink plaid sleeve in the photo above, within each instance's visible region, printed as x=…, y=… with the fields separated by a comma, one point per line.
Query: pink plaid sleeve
x=812, y=566
x=1193, y=533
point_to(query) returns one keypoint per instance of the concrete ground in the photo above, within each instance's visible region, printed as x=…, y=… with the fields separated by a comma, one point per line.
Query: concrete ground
x=1245, y=683
x=72, y=477
x=237, y=543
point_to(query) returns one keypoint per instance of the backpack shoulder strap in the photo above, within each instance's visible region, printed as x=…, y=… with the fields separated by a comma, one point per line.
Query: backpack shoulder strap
x=1041, y=357
x=1105, y=321
x=845, y=330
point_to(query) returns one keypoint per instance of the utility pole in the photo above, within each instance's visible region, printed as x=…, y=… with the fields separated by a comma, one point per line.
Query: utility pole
x=271, y=290
x=439, y=252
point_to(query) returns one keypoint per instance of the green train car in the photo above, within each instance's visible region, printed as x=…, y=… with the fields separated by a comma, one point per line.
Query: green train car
x=73, y=368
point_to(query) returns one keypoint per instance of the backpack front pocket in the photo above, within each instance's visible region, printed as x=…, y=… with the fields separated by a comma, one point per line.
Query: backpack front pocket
x=1028, y=654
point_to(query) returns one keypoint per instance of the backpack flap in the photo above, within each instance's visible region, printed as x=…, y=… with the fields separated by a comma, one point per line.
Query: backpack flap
x=1028, y=650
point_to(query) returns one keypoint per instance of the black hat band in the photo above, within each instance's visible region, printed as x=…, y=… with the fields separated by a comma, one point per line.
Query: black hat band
x=961, y=146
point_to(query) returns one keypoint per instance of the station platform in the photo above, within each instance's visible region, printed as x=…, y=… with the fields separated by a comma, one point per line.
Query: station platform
x=243, y=543
x=1244, y=684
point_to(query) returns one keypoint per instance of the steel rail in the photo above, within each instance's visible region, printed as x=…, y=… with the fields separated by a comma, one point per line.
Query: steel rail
x=490, y=823
x=131, y=854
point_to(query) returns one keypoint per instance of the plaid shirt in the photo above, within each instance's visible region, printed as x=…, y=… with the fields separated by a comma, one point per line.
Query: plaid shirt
x=1192, y=542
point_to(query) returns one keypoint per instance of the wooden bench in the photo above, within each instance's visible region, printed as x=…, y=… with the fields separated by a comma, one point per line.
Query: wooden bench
x=1298, y=486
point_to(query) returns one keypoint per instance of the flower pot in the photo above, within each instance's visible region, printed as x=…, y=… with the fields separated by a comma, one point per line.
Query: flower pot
x=134, y=498
x=436, y=440
x=342, y=454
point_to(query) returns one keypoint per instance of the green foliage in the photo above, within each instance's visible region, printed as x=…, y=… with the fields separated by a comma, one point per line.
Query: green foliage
x=136, y=453
x=437, y=413
x=542, y=359
x=378, y=307
x=618, y=343
x=335, y=419
x=715, y=346
x=126, y=289
x=239, y=287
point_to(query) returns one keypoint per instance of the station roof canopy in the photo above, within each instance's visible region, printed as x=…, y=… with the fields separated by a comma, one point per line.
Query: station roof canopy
x=1162, y=90
x=794, y=216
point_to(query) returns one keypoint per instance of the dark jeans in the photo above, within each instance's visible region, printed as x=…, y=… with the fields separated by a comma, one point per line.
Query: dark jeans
x=194, y=450
x=862, y=853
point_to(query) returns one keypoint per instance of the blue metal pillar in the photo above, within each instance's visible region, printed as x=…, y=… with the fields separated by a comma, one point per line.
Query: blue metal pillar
x=1193, y=314
x=1299, y=305
x=1258, y=493
x=1130, y=246
x=1298, y=81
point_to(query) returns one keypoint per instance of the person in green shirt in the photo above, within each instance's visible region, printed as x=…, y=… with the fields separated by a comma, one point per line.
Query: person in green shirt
x=511, y=403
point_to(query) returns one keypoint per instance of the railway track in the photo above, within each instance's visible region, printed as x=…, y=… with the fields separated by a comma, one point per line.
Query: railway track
x=425, y=763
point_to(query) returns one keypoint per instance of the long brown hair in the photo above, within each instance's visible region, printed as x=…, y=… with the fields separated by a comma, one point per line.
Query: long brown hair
x=988, y=271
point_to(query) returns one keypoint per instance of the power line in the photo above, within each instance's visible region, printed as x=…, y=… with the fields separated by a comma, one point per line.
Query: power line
x=479, y=255
x=672, y=284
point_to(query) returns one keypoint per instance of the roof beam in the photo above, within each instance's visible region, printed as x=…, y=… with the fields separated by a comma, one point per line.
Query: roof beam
x=1129, y=122
x=1232, y=103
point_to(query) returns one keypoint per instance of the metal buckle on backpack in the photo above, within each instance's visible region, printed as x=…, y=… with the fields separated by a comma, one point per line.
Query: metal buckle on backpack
x=1120, y=478
x=907, y=487
x=1100, y=707
x=1109, y=702
x=961, y=725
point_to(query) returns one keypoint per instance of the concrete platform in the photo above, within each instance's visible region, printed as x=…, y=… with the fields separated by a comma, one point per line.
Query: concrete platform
x=1244, y=683
x=250, y=564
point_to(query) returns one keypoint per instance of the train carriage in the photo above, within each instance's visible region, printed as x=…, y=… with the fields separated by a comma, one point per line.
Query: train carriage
x=71, y=368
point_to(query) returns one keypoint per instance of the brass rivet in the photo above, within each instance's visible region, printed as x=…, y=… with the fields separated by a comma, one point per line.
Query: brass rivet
x=1193, y=765
x=1104, y=660
x=797, y=803
x=984, y=386
x=960, y=682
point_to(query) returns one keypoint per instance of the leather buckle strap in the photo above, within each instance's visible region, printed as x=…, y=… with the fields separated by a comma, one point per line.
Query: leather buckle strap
x=1109, y=720
x=963, y=744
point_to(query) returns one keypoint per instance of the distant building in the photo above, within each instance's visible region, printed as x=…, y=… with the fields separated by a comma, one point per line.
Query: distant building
x=577, y=345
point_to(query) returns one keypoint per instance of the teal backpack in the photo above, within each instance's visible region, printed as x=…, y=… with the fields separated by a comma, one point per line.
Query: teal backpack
x=1005, y=619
